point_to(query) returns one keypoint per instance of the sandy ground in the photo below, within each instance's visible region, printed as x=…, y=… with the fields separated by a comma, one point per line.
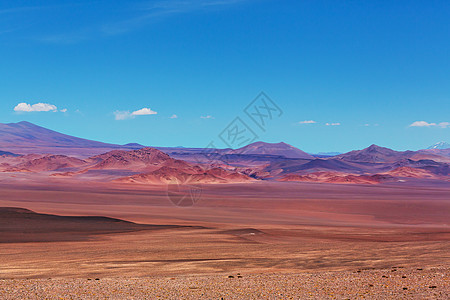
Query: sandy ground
x=306, y=240
x=393, y=283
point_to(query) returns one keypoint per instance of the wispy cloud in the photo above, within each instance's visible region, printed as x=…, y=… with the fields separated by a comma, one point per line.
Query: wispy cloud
x=174, y=116
x=126, y=114
x=307, y=122
x=333, y=124
x=207, y=117
x=156, y=11
x=38, y=107
x=131, y=17
x=65, y=38
x=426, y=124
x=13, y=10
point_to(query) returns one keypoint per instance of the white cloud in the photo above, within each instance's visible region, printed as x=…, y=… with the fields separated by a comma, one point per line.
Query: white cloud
x=174, y=116
x=207, y=117
x=25, y=107
x=143, y=112
x=126, y=114
x=307, y=122
x=426, y=124
x=422, y=124
x=63, y=110
x=333, y=124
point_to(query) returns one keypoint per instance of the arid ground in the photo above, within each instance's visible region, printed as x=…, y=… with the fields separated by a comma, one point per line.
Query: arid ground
x=254, y=228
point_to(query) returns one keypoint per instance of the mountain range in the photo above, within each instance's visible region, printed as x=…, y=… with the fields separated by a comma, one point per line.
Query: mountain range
x=30, y=149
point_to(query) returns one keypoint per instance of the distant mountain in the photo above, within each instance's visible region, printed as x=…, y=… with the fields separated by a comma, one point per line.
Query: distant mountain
x=275, y=149
x=280, y=168
x=25, y=138
x=325, y=154
x=375, y=154
x=440, y=146
x=134, y=145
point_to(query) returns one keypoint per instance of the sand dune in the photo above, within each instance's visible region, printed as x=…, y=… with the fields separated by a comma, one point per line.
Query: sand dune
x=18, y=225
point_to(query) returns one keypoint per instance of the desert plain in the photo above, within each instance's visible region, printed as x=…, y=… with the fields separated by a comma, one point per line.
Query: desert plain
x=256, y=240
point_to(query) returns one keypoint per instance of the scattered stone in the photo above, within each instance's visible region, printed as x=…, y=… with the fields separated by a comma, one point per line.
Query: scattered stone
x=312, y=285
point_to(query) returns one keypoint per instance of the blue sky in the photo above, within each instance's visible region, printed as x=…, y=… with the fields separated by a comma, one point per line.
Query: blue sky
x=124, y=69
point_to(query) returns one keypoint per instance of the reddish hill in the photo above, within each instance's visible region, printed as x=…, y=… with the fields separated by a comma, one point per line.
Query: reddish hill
x=167, y=175
x=411, y=173
x=51, y=163
x=145, y=159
